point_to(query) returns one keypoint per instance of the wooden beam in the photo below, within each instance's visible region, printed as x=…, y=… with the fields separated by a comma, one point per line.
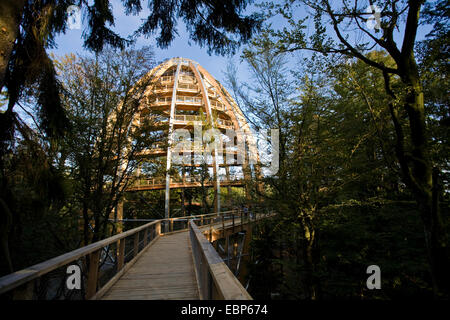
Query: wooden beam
x=93, y=274
x=224, y=282
x=121, y=254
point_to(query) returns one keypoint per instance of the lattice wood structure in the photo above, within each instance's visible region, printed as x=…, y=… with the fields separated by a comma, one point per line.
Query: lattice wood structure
x=183, y=95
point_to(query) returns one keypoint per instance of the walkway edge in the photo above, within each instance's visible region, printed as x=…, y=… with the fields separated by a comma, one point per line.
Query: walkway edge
x=100, y=293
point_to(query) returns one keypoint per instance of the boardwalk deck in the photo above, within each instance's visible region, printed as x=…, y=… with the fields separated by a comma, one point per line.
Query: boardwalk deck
x=158, y=274
x=165, y=271
x=161, y=269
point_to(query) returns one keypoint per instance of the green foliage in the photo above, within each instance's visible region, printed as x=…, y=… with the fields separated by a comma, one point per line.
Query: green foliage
x=433, y=56
x=342, y=203
x=385, y=233
x=352, y=236
x=103, y=97
x=211, y=24
x=35, y=193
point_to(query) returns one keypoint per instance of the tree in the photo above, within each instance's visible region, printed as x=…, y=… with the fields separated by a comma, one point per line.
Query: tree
x=339, y=151
x=103, y=97
x=28, y=28
x=433, y=56
x=269, y=102
x=35, y=202
x=412, y=148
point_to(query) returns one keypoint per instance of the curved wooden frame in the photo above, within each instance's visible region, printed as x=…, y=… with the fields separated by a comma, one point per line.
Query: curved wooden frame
x=201, y=89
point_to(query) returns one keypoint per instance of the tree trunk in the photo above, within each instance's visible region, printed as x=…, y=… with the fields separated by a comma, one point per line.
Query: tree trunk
x=424, y=185
x=5, y=226
x=10, y=17
x=417, y=169
x=309, y=256
x=86, y=223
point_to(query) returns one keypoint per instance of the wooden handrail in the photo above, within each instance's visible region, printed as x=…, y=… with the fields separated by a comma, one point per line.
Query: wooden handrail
x=25, y=276
x=21, y=277
x=214, y=278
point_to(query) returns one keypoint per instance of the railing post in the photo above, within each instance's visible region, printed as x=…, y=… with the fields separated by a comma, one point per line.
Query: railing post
x=158, y=229
x=93, y=274
x=201, y=220
x=232, y=214
x=136, y=244
x=223, y=225
x=242, y=221
x=121, y=258
x=227, y=247
x=171, y=225
x=145, y=237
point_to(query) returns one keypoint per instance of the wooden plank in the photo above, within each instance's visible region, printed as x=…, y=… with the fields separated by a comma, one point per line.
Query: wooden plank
x=100, y=293
x=145, y=236
x=93, y=274
x=20, y=277
x=136, y=244
x=121, y=255
x=226, y=284
x=165, y=271
x=23, y=276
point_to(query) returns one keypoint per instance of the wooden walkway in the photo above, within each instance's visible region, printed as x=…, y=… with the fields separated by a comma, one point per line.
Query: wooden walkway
x=164, y=272
x=166, y=266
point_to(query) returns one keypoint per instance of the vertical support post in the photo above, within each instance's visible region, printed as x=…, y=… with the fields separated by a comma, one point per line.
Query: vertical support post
x=227, y=248
x=183, y=200
x=232, y=214
x=158, y=228
x=171, y=225
x=121, y=257
x=136, y=244
x=138, y=171
x=204, y=91
x=145, y=237
x=169, y=152
x=223, y=226
x=119, y=215
x=227, y=174
x=93, y=274
x=216, y=244
x=201, y=220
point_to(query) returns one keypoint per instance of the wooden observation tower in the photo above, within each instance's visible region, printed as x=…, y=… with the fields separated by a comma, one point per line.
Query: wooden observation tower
x=205, y=128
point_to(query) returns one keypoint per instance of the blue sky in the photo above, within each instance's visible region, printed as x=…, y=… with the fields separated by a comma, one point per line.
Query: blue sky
x=126, y=25
x=71, y=41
